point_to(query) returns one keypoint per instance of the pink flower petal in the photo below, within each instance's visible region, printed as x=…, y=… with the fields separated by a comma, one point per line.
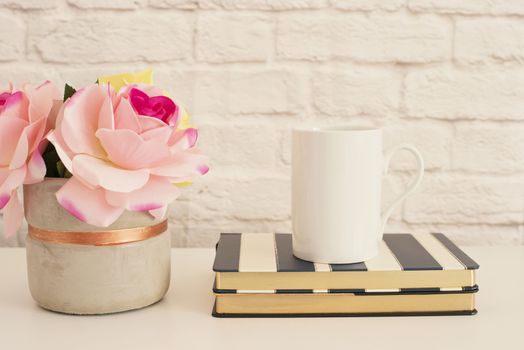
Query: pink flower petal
x=4, y=96
x=35, y=133
x=4, y=199
x=98, y=172
x=41, y=100
x=148, y=123
x=13, y=215
x=35, y=169
x=183, y=166
x=125, y=117
x=106, y=118
x=21, y=152
x=128, y=150
x=55, y=111
x=29, y=139
x=183, y=139
x=16, y=106
x=203, y=169
x=10, y=130
x=80, y=120
x=4, y=174
x=162, y=134
x=11, y=179
x=149, y=89
x=157, y=193
x=87, y=205
x=159, y=213
x=161, y=107
x=65, y=154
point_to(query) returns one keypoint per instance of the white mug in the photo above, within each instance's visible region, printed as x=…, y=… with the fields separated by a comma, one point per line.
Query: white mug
x=336, y=193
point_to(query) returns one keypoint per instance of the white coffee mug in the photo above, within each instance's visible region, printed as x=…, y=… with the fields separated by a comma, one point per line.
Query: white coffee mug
x=336, y=193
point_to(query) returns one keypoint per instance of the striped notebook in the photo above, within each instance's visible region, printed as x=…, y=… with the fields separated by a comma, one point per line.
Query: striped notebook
x=264, y=263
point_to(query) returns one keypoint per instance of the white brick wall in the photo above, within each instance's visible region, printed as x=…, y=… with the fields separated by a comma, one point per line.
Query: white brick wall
x=446, y=75
x=363, y=37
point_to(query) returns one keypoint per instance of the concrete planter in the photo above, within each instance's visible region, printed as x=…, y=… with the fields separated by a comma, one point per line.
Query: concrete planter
x=86, y=279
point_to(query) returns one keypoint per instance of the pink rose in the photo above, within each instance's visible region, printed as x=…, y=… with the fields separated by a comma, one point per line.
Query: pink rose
x=124, y=151
x=23, y=119
x=160, y=107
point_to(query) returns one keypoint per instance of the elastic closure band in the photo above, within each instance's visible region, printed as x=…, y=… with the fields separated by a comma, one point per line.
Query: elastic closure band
x=98, y=238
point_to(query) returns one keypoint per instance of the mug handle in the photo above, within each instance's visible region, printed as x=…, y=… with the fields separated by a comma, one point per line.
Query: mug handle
x=420, y=172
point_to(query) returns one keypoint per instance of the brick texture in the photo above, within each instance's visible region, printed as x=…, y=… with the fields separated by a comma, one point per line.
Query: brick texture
x=275, y=5
x=233, y=38
x=12, y=45
x=29, y=4
x=489, y=148
x=227, y=92
x=372, y=38
x=475, y=7
x=368, y=5
x=462, y=199
x=489, y=40
x=444, y=75
x=131, y=37
x=103, y=4
x=432, y=139
x=178, y=4
x=255, y=148
x=487, y=93
x=356, y=91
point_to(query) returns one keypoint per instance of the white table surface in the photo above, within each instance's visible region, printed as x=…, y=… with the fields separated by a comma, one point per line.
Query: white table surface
x=183, y=319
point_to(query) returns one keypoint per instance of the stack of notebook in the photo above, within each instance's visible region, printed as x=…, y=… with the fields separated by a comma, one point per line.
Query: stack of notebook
x=257, y=275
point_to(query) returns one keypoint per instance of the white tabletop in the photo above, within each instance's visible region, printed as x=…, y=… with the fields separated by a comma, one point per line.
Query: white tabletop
x=183, y=319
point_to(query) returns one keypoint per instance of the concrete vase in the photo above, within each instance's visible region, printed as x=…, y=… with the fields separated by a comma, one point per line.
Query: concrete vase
x=84, y=279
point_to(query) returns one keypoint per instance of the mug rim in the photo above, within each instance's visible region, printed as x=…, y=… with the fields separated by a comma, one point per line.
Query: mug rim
x=336, y=129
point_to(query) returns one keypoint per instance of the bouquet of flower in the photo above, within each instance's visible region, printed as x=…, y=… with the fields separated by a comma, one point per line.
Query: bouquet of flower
x=122, y=142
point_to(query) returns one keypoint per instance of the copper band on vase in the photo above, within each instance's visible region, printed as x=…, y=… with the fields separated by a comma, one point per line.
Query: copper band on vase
x=98, y=238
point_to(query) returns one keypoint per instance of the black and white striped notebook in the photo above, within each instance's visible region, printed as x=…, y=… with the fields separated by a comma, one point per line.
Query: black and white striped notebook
x=264, y=263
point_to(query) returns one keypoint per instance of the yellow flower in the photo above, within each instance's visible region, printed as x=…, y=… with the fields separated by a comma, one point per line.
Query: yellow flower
x=117, y=81
x=184, y=119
